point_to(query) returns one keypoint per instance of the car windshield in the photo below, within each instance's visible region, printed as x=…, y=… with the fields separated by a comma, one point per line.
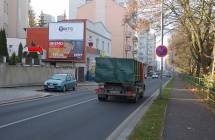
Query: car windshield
x=58, y=77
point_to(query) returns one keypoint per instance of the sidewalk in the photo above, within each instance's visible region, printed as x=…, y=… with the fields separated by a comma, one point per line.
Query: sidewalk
x=186, y=117
x=9, y=95
x=88, y=83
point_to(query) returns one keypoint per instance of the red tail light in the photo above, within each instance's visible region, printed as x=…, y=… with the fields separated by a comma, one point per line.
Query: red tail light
x=130, y=93
x=99, y=90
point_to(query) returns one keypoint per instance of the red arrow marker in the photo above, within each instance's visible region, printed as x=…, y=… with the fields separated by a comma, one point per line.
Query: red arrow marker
x=35, y=49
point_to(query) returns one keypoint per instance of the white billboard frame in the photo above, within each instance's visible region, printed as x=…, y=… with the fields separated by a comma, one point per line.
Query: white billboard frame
x=65, y=31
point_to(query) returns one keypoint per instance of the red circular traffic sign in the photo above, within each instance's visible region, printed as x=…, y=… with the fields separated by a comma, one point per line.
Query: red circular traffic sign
x=161, y=51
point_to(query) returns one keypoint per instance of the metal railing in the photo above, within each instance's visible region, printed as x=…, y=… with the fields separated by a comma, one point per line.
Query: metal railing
x=206, y=87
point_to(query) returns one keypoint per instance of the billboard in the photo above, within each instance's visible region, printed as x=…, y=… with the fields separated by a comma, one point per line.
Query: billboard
x=71, y=50
x=66, y=41
x=66, y=31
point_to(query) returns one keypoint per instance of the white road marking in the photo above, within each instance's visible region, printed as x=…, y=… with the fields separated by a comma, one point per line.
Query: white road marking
x=46, y=113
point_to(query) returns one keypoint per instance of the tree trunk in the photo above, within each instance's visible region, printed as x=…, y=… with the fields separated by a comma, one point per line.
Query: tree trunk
x=198, y=69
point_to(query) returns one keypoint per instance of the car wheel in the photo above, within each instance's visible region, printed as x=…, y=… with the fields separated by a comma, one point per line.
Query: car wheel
x=73, y=88
x=64, y=89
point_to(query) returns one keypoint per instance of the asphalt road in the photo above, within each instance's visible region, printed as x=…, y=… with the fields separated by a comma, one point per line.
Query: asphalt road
x=77, y=116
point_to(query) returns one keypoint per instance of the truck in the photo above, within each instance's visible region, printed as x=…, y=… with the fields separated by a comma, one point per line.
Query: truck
x=123, y=77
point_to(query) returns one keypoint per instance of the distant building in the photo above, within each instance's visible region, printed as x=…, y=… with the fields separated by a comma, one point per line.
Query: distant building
x=61, y=17
x=146, y=49
x=112, y=16
x=73, y=6
x=48, y=18
x=14, y=17
x=17, y=18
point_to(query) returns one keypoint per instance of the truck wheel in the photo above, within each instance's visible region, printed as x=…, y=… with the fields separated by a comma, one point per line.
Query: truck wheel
x=142, y=93
x=135, y=99
x=100, y=98
x=73, y=88
x=105, y=98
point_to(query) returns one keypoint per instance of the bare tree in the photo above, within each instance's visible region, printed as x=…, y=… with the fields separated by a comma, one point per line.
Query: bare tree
x=141, y=14
x=196, y=19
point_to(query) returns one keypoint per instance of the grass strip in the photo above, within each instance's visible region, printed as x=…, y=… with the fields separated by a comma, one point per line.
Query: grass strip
x=149, y=127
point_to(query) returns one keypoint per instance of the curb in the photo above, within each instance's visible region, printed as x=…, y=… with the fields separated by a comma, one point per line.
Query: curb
x=12, y=101
x=86, y=85
x=163, y=128
x=7, y=102
x=123, y=131
x=20, y=86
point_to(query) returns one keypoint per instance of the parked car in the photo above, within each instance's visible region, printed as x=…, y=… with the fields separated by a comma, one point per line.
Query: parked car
x=145, y=76
x=167, y=74
x=154, y=75
x=60, y=82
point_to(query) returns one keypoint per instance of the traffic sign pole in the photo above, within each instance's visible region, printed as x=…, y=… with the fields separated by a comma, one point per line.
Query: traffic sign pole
x=161, y=52
x=161, y=77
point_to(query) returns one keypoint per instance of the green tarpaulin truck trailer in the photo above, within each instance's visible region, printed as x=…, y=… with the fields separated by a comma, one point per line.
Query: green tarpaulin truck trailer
x=119, y=77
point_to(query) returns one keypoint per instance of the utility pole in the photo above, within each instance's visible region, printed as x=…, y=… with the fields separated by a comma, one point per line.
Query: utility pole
x=161, y=78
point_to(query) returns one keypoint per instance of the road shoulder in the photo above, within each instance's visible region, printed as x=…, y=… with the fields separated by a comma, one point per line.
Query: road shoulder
x=123, y=131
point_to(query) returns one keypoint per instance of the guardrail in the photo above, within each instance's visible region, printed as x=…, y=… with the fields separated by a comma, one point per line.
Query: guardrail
x=206, y=87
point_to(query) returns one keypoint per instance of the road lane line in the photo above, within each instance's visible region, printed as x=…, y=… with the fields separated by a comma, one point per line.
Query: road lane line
x=46, y=113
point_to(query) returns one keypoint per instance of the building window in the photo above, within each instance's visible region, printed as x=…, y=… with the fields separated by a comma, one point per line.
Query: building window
x=97, y=43
x=5, y=26
x=103, y=45
x=5, y=6
x=108, y=48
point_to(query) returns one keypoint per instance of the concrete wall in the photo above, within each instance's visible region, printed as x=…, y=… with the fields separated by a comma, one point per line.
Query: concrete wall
x=23, y=76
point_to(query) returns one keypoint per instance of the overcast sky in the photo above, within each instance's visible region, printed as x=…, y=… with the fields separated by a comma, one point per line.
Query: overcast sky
x=52, y=7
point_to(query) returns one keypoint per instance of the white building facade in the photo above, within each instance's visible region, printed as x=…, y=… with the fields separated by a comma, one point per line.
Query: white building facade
x=98, y=45
x=13, y=45
x=146, y=50
x=99, y=36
